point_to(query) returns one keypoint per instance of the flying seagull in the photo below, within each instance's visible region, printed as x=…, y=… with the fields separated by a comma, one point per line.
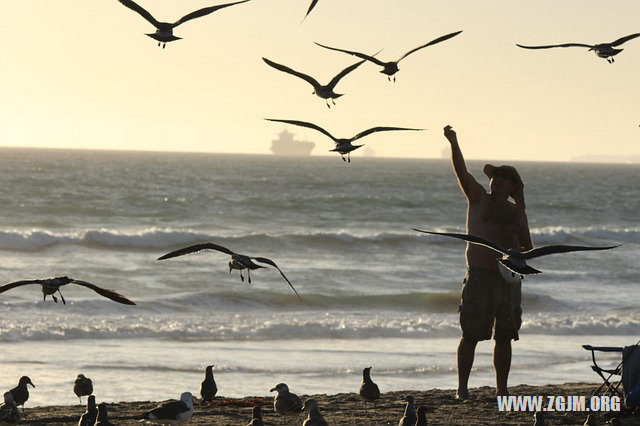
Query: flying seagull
x=390, y=68
x=514, y=260
x=325, y=92
x=603, y=50
x=164, y=30
x=50, y=286
x=343, y=145
x=238, y=261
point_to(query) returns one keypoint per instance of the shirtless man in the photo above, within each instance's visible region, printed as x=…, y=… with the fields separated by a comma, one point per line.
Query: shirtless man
x=489, y=301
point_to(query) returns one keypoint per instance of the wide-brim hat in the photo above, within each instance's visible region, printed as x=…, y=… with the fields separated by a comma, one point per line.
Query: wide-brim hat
x=490, y=169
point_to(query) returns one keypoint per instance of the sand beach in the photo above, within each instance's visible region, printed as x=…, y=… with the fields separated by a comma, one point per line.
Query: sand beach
x=348, y=409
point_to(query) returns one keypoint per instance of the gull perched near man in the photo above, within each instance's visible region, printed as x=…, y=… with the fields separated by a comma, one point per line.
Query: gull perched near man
x=50, y=286
x=603, y=50
x=344, y=146
x=238, y=261
x=513, y=260
x=83, y=386
x=164, y=30
x=391, y=67
x=323, y=91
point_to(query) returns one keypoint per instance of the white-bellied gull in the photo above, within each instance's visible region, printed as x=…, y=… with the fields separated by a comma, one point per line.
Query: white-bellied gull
x=323, y=91
x=172, y=412
x=390, y=68
x=238, y=261
x=344, y=146
x=286, y=403
x=409, y=418
x=513, y=260
x=20, y=393
x=314, y=417
x=208, y=388
x=89, y=417
x=164, y=30
x=83, y=386
x=603, y=50
x=50, y=286
x=9, y=412
x=369, y=391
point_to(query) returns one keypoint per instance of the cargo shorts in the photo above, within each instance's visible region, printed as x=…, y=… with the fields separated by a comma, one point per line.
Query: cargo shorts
x=490, y=304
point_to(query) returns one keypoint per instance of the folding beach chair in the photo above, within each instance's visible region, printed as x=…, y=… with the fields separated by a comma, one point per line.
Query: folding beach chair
x=627, y=373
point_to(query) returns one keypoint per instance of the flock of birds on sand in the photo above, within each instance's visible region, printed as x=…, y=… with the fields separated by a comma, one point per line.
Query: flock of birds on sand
x=285, y=403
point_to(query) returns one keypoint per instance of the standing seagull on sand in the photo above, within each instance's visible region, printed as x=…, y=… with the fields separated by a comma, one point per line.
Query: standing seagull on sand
x=256, y=416
x=286, y=403
x=50, y=286
x=9, y=413
x=103, y=418
x=20, y=393
x=513, y=260
x=314, y=417
x=369, y=391
x=422, y=416
x=172, y=412
x=390, y=68
x=208, y=388
x=603, y=50
x=83, y=386
x=409, y=418
x=238, y=261
x=89, y=417
x=325, y=92
x=344, y=146
x=164, y=30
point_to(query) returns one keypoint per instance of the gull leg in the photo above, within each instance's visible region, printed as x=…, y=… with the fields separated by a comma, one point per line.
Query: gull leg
x=55, y=299
x=333, y=101
x=248, y=276
x=241, y=277
x=349, y=157
x=327, y=102
x=159, y=44
x=394, y=78
x=62, y=297
x=164, y=45
x=342, y=155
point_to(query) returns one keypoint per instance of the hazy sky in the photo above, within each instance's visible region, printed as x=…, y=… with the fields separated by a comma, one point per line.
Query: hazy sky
x=82, y=74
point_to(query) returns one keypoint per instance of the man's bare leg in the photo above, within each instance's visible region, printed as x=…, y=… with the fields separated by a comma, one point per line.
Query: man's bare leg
x=502, y=365
x=466, y=352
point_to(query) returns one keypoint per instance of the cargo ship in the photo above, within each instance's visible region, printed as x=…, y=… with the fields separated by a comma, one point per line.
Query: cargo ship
x=287, y=145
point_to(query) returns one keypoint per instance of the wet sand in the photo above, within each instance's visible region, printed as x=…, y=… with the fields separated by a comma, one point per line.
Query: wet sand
x=348, y=409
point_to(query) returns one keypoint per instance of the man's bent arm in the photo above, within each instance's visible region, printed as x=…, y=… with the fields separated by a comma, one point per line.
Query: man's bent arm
x=471, y=188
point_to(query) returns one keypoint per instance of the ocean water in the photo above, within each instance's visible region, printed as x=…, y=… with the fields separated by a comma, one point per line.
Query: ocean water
x=375, y=292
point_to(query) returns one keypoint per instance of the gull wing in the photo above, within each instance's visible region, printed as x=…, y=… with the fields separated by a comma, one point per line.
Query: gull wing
x=378, y=129
x=555, y=45
x=137, y=8
x=305, y=124
x=18, y=284
x=312, y=81
x=203, y=12
x=470, y=238
x=624, y=39
x=545, y=250
x=311, y=6
x=109, y=294
x=358, y=54
x=196, y=248
x=167, y=410
x=342, y=73
x=432, y=42
x=272, y=263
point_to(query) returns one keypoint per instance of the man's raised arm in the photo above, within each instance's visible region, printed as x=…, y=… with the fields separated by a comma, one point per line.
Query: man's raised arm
x=469, y=185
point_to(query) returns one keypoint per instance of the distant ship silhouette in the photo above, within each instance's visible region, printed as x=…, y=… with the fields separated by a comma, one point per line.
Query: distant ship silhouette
x=287, y=145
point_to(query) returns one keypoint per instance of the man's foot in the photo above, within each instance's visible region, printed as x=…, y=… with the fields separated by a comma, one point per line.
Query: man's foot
x=462, y=394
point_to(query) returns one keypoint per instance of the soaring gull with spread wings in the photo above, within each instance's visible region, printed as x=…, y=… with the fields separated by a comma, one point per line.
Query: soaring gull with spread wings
x=603, y=50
